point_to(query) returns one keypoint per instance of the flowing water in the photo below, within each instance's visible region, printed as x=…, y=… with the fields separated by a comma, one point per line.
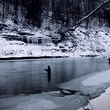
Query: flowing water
x=29, y=76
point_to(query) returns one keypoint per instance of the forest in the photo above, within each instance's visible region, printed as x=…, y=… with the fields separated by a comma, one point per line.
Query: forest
x=64, y=12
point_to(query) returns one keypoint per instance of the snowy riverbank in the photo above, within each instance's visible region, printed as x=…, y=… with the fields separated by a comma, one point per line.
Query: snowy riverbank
x=81, y=42
x=91, y=86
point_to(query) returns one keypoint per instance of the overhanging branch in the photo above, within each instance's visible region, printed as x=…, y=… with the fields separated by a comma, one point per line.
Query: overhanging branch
x=87, y=16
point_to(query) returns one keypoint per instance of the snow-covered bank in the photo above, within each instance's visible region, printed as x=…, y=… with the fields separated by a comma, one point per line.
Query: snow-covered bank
x=91, y=85
x=19, y=49
x=44, y=42
x=100, y=103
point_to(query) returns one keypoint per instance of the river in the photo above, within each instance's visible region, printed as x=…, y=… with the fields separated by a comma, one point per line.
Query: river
x=29, y=76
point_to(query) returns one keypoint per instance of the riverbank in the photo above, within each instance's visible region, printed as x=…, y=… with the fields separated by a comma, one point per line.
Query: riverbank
x=90, y=85
x=39, y=57
x=82, y=45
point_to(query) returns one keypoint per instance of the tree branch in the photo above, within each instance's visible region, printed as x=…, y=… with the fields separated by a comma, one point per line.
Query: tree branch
x=87, y=16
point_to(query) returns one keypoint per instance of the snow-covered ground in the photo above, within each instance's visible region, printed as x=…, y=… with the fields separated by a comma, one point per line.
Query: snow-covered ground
x=15, y=41
x=91, y=85
x=81, y=42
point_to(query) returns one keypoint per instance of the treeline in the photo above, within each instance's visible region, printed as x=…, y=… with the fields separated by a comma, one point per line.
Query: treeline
x=66, y=12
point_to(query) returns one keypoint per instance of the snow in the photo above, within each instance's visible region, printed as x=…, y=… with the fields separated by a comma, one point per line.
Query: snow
x=20, y=49
x=82, y=42
x=16, y=43
x=39, y=34
x=41, y=104
x=100, y=103
x=11, y=34
x=9, y=22
x=103, y=77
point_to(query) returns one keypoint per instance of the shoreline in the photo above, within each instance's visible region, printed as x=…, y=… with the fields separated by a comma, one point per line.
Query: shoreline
x=38, y=57
x=43, y=57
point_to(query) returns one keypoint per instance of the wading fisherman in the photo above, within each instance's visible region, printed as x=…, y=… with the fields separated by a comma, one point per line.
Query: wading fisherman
x=109, y=60
x=48, y=71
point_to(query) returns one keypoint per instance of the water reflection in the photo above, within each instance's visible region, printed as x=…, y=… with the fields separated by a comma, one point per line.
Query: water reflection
x=29, y=76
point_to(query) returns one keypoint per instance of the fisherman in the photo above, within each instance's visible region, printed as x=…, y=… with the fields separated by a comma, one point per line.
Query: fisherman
x=48, y=71
x=109, y=60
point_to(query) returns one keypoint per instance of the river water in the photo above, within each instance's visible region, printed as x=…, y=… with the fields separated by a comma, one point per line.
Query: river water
x=29, y=76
